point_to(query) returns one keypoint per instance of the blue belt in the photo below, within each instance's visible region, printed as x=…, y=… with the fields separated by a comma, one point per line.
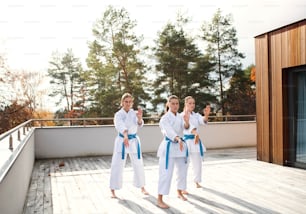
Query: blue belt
x=168, y=149
x=190, y=137
x=130, y=136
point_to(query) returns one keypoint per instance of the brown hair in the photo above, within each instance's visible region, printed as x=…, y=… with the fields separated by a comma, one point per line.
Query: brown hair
x=171, y=97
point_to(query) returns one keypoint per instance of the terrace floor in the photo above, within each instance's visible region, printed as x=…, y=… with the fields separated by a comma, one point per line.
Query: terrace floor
x=233, y=182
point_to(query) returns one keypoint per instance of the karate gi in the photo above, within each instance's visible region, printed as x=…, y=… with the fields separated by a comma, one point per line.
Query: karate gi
x=126, y=121
x=196, y=151
x=171, y=126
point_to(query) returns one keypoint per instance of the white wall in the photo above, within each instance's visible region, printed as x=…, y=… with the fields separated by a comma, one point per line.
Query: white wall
x=14, y=186
x=228, y=134
x=56, y=142
x=53, y=142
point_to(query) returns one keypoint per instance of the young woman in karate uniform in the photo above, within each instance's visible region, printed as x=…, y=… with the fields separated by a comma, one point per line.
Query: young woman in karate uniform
x=172, y=151
x=196, y=148
x=126, y=122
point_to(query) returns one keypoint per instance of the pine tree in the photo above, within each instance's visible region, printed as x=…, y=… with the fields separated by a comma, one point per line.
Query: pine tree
x=114, y=62
x=241, y=96
x=221, y=47
x=181, y=69
x=66, y=72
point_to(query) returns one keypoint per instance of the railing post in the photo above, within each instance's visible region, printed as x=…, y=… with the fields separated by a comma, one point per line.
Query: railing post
x=23, y=128
x=18, y=134
x=11, y=143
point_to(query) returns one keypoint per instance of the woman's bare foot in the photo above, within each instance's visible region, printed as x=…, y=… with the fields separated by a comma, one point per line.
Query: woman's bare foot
x=185, y=192
x=113, y=194
x=144, y=191
x=180, y=195
x=162, y=205
x=198, y=185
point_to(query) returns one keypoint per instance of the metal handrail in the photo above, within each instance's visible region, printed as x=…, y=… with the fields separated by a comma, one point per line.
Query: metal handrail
x=4, y=167
x=11, y=131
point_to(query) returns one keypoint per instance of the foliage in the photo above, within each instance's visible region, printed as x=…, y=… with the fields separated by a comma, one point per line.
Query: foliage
x=20, y=93
x=114, y=64
x=181, y=69
x=221, y=40
x=241, y=96
x=13, y=115
x=28, y=88
x=66, y=75
x=253, y=74
x=45, y=115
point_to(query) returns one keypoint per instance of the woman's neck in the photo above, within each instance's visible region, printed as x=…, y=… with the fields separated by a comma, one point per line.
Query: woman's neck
x=126, y=110
x=174, y=112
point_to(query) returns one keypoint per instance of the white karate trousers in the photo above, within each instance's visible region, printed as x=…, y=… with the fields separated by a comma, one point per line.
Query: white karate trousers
x=165, y=175
x=196, y=162
x=117, y=167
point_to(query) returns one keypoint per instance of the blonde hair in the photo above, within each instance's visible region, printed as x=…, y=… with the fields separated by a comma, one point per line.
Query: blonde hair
x=186, y=100
x=126, y=95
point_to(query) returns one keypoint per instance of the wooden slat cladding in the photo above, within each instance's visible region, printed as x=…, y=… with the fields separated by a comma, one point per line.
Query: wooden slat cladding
x=262, y=104
x=274, y=51
x=302, y=29
x=276, y=149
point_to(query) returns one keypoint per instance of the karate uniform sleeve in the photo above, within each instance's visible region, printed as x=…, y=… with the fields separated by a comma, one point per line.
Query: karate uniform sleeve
x=201, y=119
x=119, y=122
x=166, y=128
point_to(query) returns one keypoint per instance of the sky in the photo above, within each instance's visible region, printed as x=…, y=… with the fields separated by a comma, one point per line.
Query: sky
x=31, y=30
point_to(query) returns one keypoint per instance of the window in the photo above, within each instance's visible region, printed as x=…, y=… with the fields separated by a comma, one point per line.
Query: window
x=294, y=88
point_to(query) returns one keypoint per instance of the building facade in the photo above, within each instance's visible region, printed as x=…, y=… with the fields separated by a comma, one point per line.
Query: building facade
x=280, y=57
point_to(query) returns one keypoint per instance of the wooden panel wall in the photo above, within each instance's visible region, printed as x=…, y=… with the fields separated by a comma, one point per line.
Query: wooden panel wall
x=262, y=97
x=302, y=29
x=274, y=51
x=275, y=69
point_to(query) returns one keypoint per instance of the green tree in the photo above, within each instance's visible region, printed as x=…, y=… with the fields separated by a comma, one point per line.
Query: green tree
x=241, y=96
x=181, y=69
x=221, y=46
x=66, y=75
x=114, y=62
x=201, y=85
